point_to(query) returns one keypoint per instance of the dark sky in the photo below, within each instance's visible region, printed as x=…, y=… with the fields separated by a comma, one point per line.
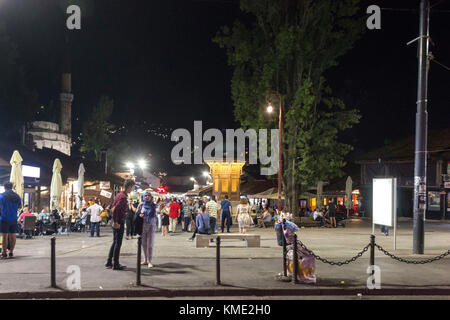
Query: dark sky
x=157, y=61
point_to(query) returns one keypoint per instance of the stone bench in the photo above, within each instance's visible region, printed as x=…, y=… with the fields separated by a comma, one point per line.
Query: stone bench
x=308, y=222
x=202, y=240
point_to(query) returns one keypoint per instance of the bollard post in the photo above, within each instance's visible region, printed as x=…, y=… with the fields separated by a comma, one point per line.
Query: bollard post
x=372, y=255
x=138, y=266
x=284, y=257
x=295, y=261
x=218, y=261
x=53, y=263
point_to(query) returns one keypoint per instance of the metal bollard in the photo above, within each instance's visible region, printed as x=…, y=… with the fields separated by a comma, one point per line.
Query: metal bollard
x=284, y=257
x=218, y=261
x=138, y=266
x=295, y=261
x=372, y=255
x=53, y=263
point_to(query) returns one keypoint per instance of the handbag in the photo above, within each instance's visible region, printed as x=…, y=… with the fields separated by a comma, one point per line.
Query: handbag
x=138, y=221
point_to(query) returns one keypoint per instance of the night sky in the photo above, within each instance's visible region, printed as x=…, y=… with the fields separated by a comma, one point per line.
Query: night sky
x=157, y=61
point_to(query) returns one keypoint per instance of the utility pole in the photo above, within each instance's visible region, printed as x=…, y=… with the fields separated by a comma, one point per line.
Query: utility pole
x=420, y=157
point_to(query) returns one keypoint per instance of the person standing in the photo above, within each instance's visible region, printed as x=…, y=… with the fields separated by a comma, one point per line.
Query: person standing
x=188, y=211
x=94, y=211
x=174, y=212
x=119, y=208
x=148, y=213
x=243, y=215
x=332, y=213
x=226, y=214
x=130, y=220
x=164, y=219
x=10, y=203
x=212, y=208
x=158, y=213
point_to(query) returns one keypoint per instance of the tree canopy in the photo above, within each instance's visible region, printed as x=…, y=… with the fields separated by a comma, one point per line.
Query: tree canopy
x=96, y=130
x=286, y=46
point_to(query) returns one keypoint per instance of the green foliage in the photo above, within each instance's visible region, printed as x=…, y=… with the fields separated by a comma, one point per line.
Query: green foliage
x=287, y=48
x=96, y=130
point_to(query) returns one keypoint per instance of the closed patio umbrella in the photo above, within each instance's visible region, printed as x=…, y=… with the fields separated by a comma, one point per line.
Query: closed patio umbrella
x=56, y=186
x=80, y=190
x=16, y=177
x=348, y=192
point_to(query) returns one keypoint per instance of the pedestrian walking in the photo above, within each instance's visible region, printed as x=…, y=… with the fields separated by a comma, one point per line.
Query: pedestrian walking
x=164, y=212
x=119, y=208
x=147, y=212
x=94, y=211
x=212, y=208
x=10, y=203
x=130, y=220
x=174, y=212
x=243, y=215
x=225, y=214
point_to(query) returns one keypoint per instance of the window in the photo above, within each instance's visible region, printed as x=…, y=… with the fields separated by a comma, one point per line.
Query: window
x=434, y=201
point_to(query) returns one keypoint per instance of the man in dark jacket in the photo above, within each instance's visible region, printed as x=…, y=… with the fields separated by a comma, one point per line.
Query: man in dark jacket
x=119, y=208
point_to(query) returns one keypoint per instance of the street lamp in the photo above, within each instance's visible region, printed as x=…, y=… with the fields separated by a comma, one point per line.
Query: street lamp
x=142, y=164
x=130, y=166
x=280, y=133
x=208, y=177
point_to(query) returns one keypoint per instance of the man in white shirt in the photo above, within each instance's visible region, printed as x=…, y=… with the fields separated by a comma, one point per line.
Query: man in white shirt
x=212, y=208
x=94, y=211
x=318, y=216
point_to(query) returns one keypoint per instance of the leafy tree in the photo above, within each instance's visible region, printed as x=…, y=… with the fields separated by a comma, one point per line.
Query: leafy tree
x=287, y=47
x=97, y=129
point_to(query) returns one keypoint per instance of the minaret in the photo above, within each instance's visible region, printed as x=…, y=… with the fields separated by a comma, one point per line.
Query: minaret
x=66, y=97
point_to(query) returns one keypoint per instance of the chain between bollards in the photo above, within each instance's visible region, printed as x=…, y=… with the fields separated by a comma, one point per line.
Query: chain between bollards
x=295, y=261
x=53, y=263
x=138, y=266
x=218, y=261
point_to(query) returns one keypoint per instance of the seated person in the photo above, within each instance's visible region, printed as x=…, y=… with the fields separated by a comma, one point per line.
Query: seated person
x=202, y=223
x=318, y=215
x=24, y=214
x=81, y=223
x=266, y=217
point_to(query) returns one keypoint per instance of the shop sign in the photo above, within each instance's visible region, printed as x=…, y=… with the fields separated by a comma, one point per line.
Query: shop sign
x=447, y=185
x=106, y=194
x=105, y=185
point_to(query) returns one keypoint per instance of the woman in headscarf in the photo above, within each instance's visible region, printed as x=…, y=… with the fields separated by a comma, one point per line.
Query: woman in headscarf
x=306, y=261
x=148, y=213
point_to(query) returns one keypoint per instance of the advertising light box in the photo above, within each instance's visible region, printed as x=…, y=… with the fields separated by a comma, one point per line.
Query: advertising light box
x=31, y=172
x=384, y=201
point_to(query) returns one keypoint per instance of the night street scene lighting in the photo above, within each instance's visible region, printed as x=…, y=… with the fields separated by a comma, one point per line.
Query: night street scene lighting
x=223, y=154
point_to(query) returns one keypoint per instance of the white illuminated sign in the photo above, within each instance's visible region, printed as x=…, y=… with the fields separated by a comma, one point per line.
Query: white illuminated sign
x=384, y=201
x=31, y=172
